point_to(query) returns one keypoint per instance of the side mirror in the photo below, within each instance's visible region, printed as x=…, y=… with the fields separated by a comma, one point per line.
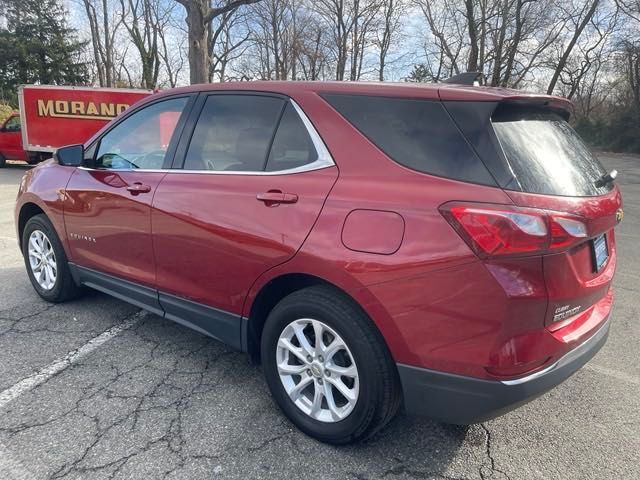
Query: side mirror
x=71, y=156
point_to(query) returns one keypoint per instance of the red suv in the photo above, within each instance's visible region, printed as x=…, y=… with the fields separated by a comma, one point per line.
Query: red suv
x=446, y=248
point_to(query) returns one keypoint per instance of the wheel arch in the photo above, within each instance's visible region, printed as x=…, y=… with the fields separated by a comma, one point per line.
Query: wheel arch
x=27, y=210
x=278, y=287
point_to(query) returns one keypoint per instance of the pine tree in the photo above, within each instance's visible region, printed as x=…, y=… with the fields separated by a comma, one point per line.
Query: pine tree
x=36, y=46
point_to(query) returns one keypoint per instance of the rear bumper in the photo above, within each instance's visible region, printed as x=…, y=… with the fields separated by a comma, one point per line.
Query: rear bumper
x=465, y=400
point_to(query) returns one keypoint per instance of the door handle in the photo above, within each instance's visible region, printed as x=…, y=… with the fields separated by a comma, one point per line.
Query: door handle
x=137, y=187
x=276, y=197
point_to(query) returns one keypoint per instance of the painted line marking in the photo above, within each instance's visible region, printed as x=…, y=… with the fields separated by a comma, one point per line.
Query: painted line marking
x=625, y=377
x=65, y=362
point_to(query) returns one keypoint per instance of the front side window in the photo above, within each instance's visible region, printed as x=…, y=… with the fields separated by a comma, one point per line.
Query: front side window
x=234, y=133
x=142, y=139
x=13, y=124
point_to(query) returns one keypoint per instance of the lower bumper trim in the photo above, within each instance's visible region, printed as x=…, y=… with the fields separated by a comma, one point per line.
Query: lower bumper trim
x=465, y=400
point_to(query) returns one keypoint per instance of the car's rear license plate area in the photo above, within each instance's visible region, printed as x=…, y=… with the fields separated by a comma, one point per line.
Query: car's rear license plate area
x=600, y=251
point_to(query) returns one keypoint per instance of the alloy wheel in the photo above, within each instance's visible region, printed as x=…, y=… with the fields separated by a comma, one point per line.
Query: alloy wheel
x=42, y=260
x=317, y=370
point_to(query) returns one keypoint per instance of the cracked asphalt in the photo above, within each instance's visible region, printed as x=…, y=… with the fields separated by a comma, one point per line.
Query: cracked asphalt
x=158, y=401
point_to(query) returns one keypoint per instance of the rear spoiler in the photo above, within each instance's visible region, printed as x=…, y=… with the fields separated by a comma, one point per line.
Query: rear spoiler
x=480, y=92
x=559, y=105
x=475, y=79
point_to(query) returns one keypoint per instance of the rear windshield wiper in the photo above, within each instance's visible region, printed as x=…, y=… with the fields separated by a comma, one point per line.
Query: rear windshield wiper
x=606, y=179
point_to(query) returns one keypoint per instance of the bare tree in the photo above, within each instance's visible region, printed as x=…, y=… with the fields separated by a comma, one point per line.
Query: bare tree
x=579, y=18
x=200, y=14
x=446, y=26
x=104, y=26
x=276, y=37
x=144, y=20
x=351, y=25
x=171, y=53
x=391, y=21
x=228, y=40
x=313, y=53
x=581, y=68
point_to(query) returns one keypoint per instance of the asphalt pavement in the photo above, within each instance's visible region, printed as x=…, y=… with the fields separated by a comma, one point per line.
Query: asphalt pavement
x=96, y=389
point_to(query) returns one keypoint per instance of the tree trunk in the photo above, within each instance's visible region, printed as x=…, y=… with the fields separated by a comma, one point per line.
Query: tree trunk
x=198, y=41
x=108, y=62
x=474, y=51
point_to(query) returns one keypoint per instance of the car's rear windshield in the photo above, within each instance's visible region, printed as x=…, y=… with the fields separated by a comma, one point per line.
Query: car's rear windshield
x=545, y=154
x=418, y=134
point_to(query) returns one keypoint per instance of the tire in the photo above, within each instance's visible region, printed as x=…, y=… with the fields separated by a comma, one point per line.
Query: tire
x=3, y=161
x=376, y=386
x=61, y=288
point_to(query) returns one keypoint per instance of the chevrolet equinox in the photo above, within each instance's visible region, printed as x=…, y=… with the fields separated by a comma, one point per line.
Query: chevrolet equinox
x=445, y=248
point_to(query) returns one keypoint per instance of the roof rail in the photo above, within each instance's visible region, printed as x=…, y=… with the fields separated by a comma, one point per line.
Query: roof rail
x=467, y=78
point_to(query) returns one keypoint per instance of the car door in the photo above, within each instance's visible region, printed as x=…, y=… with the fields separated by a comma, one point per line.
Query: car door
x=11, y=139
x=107, y=208
x=254, y=178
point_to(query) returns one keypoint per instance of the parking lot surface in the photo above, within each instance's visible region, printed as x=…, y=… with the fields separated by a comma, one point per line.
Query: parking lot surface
x=96, y=389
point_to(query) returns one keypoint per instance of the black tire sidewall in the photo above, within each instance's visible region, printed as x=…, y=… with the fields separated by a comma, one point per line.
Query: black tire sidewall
x=3, y=161
x=40, y=222
x=356, y=423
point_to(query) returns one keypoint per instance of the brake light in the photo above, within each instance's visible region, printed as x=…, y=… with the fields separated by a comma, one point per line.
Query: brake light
x=565, y=231
x=497, y=230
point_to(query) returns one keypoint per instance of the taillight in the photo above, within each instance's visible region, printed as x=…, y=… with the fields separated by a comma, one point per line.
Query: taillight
x=565, y=231
x=497, y=230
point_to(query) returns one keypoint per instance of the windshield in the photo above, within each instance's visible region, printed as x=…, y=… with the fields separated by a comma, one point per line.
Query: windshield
x=546, y=155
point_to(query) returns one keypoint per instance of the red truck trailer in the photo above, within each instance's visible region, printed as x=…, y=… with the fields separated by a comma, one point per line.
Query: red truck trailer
x=52, y=116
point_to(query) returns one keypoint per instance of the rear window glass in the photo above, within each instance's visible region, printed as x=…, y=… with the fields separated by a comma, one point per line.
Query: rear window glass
x=418, y=134
x=545, y=154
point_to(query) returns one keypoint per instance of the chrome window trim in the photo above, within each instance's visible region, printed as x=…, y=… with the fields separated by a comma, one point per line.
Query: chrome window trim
x=324, y=159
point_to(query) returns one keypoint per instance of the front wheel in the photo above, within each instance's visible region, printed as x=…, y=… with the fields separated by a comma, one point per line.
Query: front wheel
x=46, y=261
x=3, y=161
x=327, y=366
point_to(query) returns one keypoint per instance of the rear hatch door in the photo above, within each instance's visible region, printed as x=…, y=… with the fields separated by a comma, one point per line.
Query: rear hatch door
x=552, y=169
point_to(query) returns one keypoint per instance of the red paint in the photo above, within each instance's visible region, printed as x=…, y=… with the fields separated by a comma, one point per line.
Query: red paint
x=373, y=231
x=48, y=127
x=11, y=142
x=214, y=239
x=99, y=206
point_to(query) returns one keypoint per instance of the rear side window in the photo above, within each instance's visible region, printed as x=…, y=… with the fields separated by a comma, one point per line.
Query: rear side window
x=418, y=134
x=233, y=133
x=292, y=146
x=545, y=154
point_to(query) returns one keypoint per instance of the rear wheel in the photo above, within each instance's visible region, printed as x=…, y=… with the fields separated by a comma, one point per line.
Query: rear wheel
x=328, y=367
x=46, y=261
x=3, y=161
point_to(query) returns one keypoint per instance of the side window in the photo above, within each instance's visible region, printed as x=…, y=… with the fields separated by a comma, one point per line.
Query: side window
x=141, y=140
x=13, y=124
x=292, y=147
x=233, y=133
x=418, y=134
